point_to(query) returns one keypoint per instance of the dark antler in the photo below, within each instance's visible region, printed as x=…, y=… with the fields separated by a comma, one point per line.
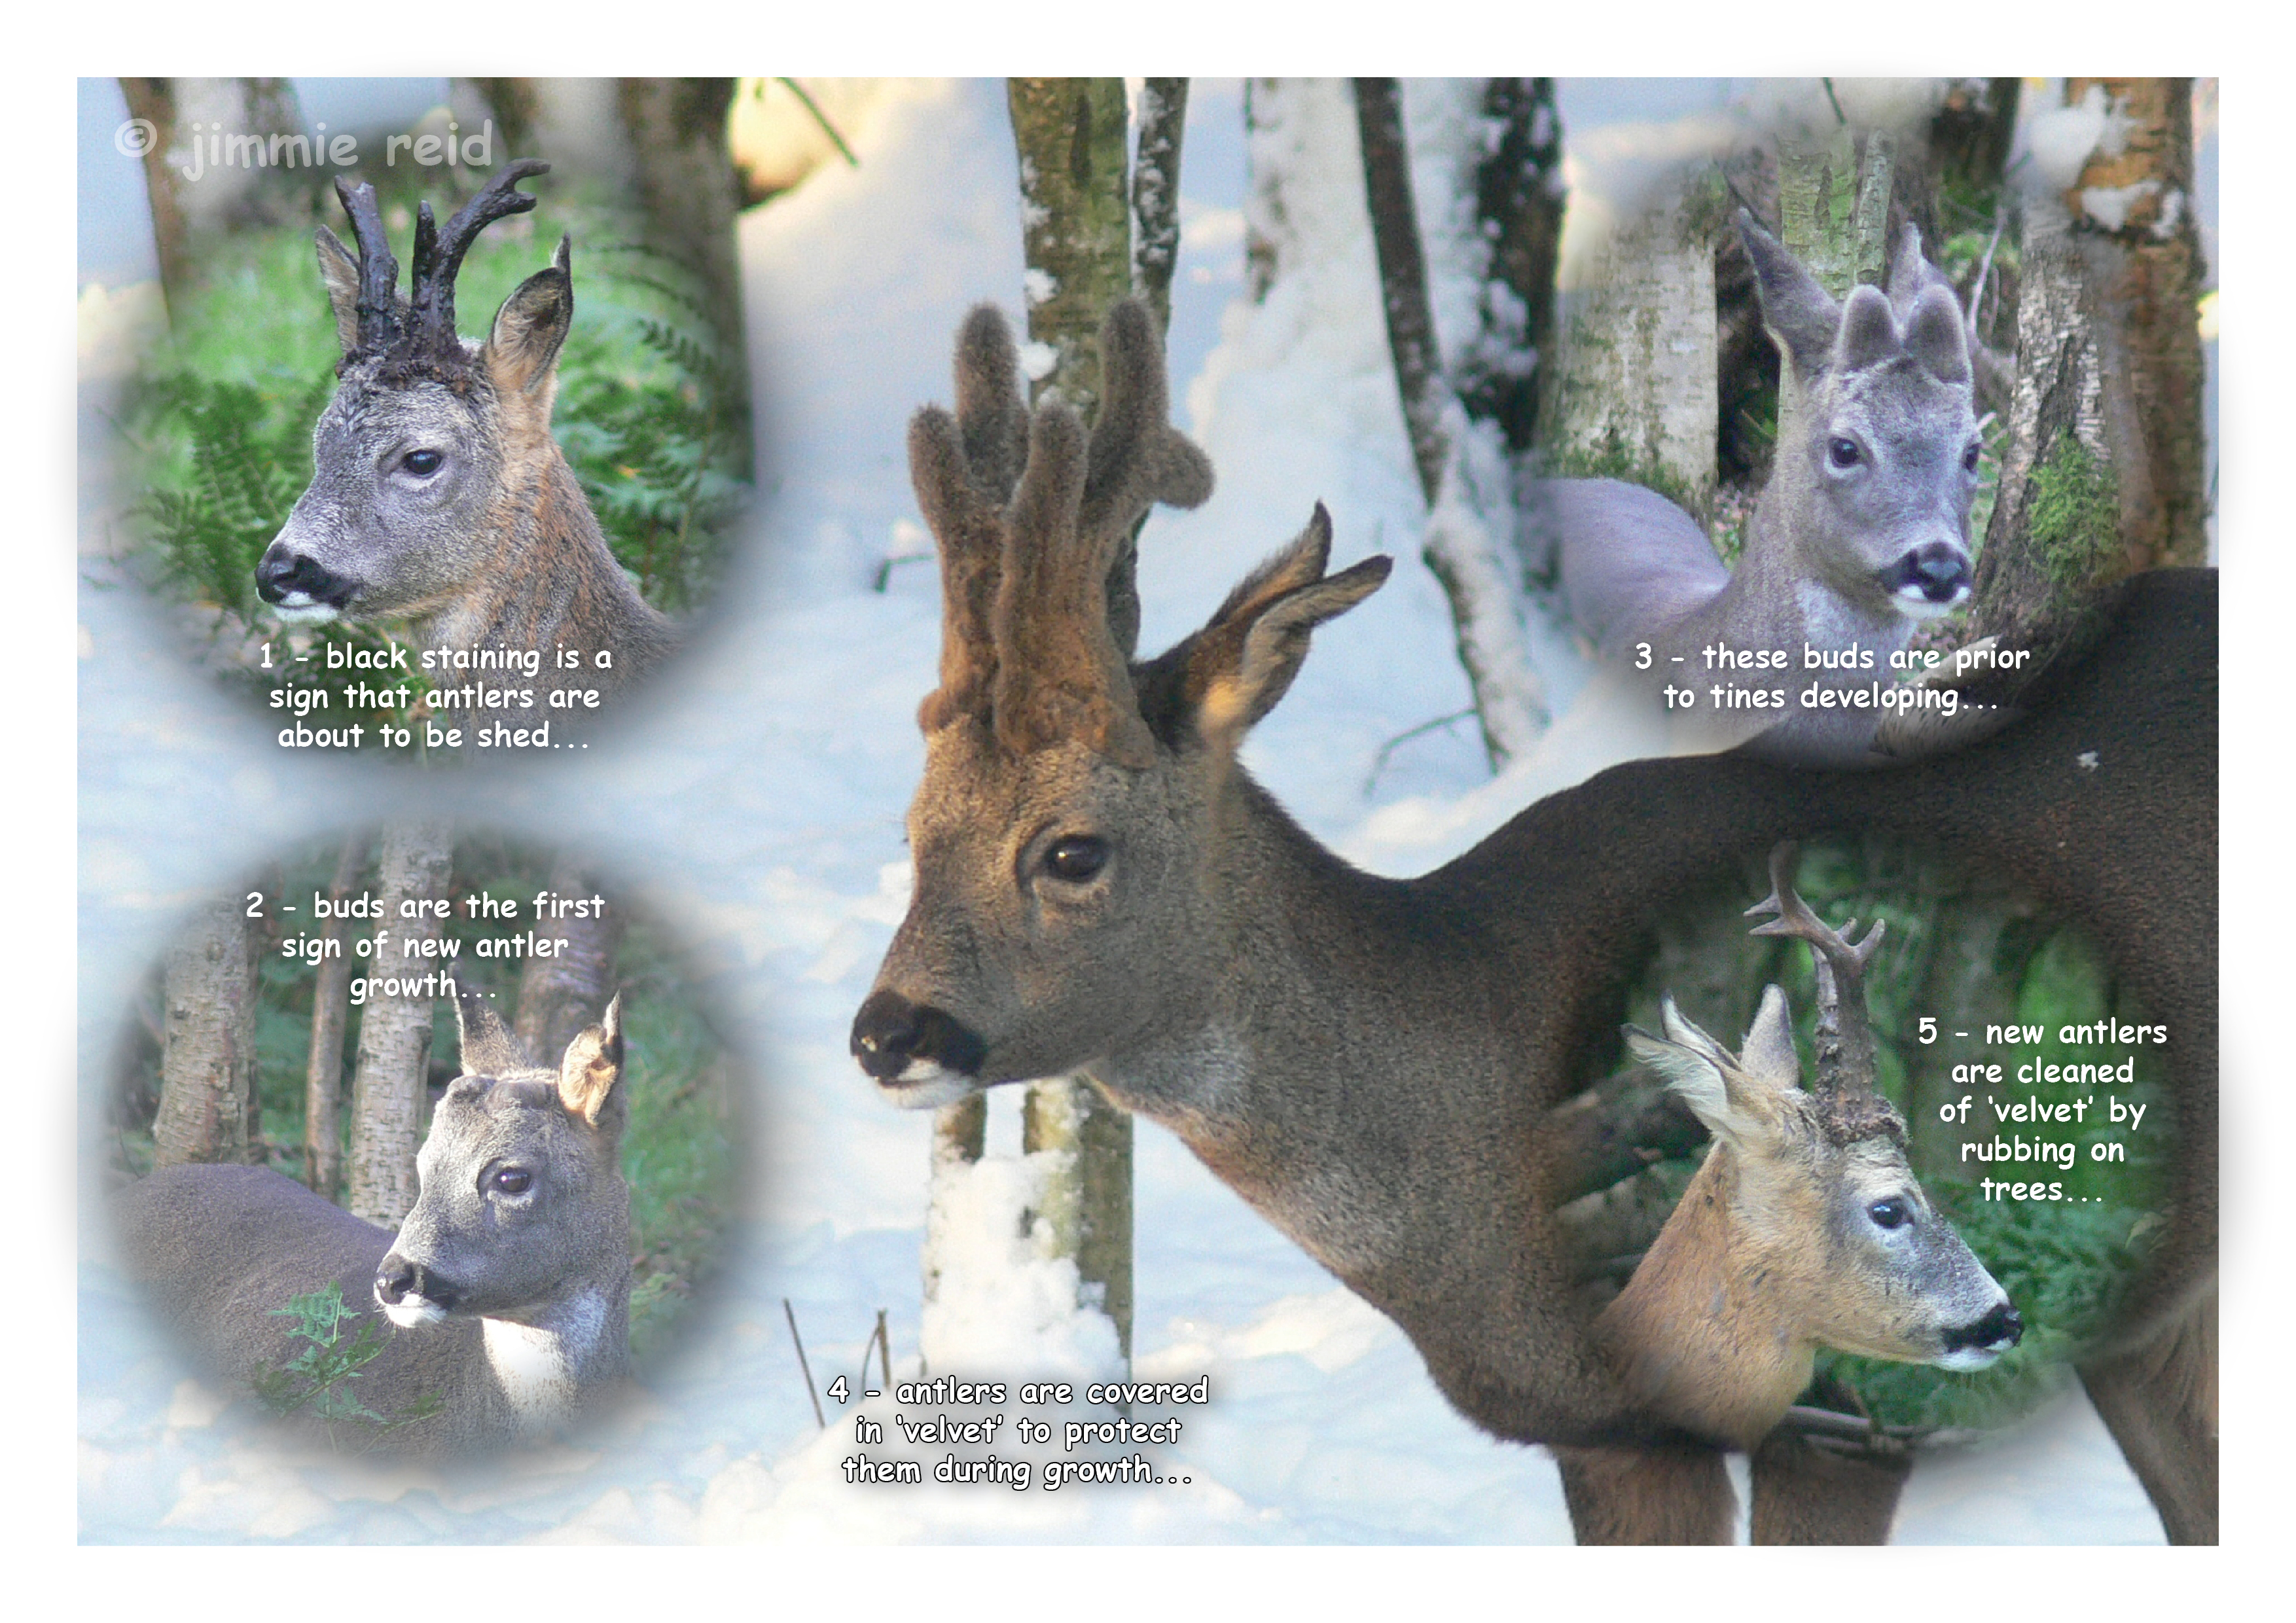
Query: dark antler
x=439, y=254
x=1845, y=1037
x=379, y=309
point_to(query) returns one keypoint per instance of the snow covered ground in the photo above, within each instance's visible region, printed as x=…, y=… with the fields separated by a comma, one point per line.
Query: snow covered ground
x=757, y=802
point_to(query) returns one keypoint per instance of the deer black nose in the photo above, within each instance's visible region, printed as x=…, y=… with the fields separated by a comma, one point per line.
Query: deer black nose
x=397, y=1279
x=1997, y=1332
x=1936, y=572
x=284, y=574
x=890, y=1033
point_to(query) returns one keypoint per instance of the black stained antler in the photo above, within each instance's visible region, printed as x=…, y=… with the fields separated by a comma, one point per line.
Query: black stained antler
x=1845, y=1037
x=439, y=254
x=379, y=325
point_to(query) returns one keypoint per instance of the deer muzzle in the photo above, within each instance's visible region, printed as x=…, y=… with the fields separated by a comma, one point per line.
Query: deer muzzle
x=921, y=1057
x=300, y=585
x=1976, y=1345
x=1929, y=579
x=409, y=1294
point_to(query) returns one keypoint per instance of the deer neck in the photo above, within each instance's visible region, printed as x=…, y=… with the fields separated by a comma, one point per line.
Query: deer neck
x=1705, y=1335
x=548, y=1359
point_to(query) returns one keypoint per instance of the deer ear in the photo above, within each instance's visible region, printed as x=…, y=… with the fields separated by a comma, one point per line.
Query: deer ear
x=522, y=348
x=340, y=271
x=1935, y=337
x=1869, y=331
x=1690, y=1062
x=1245, y=657
x=1799, y=313
x=487, y=1047
x=1769, y=1056
x=593, y=1065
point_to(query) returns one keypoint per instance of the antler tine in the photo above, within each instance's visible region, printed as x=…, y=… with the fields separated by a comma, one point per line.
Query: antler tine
x=1844, y=1036
x=379, y=308
x=436, y=270
x=990, y=414
x=1136, y=459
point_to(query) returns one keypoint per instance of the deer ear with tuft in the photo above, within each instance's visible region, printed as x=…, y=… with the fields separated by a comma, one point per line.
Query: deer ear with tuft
x=1233, y=672
x=531, y=327
x=487, y=1048
x=1799, y=312
x=339, y=269
x=593, y=1067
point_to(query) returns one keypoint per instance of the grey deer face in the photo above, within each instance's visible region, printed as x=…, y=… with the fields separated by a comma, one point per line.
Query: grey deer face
x=1824, y=1192
x=426, y=433
x=1064, y=835
x=522, y=1199
x=1877, y=452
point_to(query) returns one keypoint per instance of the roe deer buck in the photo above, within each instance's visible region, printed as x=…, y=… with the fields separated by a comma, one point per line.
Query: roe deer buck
x=1805, y=1228
x=1861, y=531
x=1101, y=887
x=509, y=1282
x=438, y=493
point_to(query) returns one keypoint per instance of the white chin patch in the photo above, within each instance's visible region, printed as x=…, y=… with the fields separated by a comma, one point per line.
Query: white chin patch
x=1915, y=606
x=298, y=609
x=1971, y=1357
x=926, y=1084
x=413, y=1312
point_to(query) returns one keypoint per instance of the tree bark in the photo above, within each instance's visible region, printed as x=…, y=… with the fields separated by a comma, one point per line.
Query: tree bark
x=153, y=100
x=323, y=1074
x=1156, y=194
x=208, y=1109
x=516, y=108
x=2105, y=469
x=1519, y=198
x=1464, y=482
x=1076, y=243
x=389, y=1087
x=561, y=995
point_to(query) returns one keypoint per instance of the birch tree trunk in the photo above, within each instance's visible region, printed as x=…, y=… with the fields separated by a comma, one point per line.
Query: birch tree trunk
x=2104, y=471
x=561, y=995
x=389, y=1086
x=323, y=1074
x=1462, y=478
x=208, y=1109
x=153, y=100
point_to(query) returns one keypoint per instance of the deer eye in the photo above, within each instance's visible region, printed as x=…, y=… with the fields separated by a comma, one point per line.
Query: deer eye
x=1842, y=453
x=512, y=1180
x=1969, y=458
x=422, y=463
x=1075, y=858
x=1892, y=1213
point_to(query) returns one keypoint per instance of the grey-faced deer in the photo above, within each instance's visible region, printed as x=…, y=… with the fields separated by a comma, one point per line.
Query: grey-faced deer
x=1804, y=1228
x=1103, y=888
x=437, y=494
x=506, y=1288
x=1861, y=532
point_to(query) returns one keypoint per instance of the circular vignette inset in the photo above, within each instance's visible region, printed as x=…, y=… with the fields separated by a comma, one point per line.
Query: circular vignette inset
x=399, y=542
x=2018, y=1135
x=425, y=1141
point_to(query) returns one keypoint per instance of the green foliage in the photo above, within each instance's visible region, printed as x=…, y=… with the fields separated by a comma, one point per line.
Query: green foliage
x=2074, y=515
x=651, y=413
x=318, y=1378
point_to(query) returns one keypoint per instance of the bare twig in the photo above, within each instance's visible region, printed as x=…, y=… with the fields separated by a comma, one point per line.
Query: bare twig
x=822, y=118
x=804, y=1368
x=1379, y=762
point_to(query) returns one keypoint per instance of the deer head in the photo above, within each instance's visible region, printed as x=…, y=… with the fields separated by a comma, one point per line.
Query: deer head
x=1064, y=834
x=412, y=453
x=523, y=1196
x=1806, y=1221
x=1877, y=446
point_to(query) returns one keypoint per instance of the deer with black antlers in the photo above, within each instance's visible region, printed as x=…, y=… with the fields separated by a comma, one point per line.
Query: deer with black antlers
x=1376, y=1063
x=438, y=495
x=1804, y=1228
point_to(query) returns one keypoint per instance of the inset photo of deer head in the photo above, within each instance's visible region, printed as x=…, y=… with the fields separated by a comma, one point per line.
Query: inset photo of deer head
x=449, y=439
x=422, y=1142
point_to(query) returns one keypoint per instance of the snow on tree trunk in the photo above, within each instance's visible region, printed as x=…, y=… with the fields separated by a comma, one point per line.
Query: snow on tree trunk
x=1462, y=471
x=2104, y=471
x=388, y=1086
x=323, y=1074
x=1519, y=201
x=560, y=995
x=1156, y=194
x=206, y=1066
x=1632, y=392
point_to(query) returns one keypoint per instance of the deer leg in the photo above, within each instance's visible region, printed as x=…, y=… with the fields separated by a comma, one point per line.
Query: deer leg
x=2160, y=1403
x=1807, y=1495
x=1678, y=1493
